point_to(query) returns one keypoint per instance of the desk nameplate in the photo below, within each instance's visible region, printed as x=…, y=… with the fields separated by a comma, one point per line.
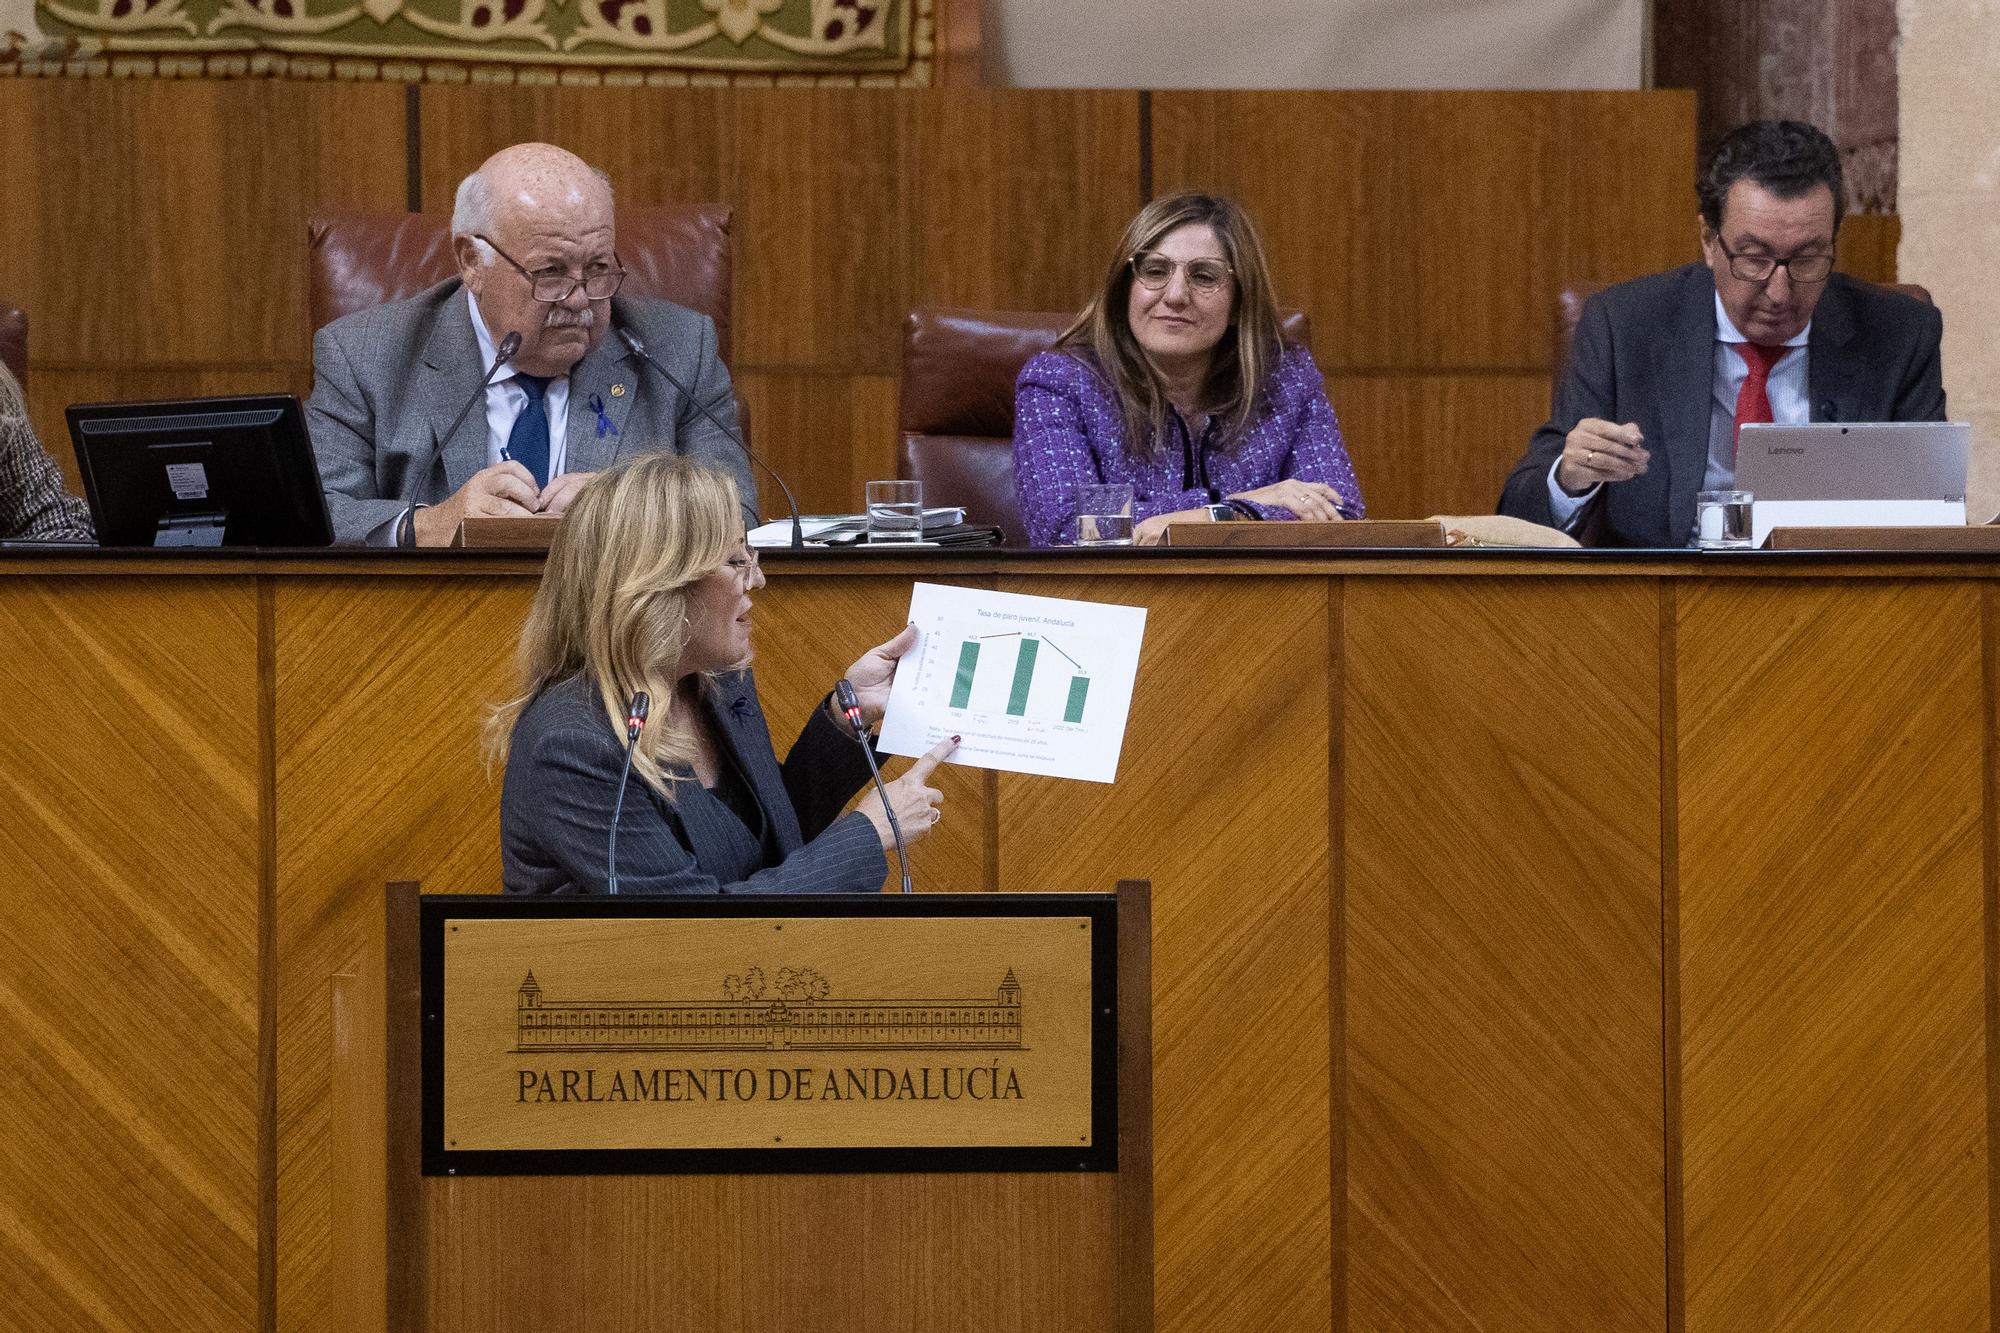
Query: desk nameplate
x=639, y=1035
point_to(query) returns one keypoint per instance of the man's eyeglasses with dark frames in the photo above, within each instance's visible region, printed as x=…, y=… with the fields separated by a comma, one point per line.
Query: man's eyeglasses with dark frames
x=1761, y=268
x=599, y=284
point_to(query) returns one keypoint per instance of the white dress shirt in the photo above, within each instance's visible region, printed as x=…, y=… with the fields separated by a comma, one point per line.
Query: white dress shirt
x=505, y=399
x=1786, y=389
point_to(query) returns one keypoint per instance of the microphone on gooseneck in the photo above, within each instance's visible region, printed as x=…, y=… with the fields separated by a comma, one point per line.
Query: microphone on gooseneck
x=502, y=354
x=635, y=722
x=850, y=708
x=639, y=350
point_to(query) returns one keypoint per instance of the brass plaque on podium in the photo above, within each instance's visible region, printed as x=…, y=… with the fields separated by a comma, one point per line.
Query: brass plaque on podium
x=769, y=1034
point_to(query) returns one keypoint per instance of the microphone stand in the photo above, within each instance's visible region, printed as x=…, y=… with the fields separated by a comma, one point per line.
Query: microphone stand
x=639, y=350
x=850, y=708
x=406, y=533
x=635, y=722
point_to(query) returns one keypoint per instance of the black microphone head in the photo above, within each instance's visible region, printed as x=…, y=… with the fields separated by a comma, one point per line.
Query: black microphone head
x=632, y=340
x=508, y=346
x=635, y=715
x=843, y=690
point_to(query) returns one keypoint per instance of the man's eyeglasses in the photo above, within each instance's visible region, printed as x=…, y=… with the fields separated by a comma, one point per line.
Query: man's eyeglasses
x=600, y=282
x=1759, y=268
x=1205, y=277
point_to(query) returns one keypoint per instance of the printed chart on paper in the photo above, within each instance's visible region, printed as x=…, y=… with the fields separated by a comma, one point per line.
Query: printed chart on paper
x=1031, y=684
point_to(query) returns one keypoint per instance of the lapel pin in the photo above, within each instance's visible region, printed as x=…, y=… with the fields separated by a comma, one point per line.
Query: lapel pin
x=617, y=391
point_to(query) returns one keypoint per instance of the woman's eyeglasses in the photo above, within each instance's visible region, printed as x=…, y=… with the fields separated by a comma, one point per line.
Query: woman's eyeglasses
x=1205, y=277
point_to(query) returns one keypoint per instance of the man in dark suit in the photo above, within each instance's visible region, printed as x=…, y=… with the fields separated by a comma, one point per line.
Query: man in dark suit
x=535, y=238
x=1665, y=369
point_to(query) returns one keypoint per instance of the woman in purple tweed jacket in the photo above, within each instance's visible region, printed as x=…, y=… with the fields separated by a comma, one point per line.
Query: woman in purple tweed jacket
x=1177, y=379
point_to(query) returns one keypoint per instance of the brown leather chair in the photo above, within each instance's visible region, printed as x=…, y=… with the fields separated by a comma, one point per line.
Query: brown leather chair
x=14, y=340
x=956, y=413
x=358, y=260
x=1569, y=309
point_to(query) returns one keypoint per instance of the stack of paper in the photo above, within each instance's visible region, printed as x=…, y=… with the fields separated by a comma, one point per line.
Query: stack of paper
x=834, y=527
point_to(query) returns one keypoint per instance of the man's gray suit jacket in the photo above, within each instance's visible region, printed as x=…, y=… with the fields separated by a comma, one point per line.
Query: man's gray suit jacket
x=562, y=779
x=1645, y=353
x=388, y=381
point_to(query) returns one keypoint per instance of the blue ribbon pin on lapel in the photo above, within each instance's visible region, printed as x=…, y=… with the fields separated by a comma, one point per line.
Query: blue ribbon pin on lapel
x=604, y=426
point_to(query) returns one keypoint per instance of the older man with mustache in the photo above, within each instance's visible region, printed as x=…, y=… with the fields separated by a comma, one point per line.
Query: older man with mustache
x=535, y=238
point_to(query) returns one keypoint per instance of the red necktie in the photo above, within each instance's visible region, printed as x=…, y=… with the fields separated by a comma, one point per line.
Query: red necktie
x=1753, y=400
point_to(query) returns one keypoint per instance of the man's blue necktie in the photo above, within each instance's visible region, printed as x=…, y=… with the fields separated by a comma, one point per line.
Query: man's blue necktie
x=528, y=442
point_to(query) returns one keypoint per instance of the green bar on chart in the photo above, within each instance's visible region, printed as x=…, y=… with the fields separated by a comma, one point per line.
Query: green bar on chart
x=961, y=684
x=1078, y=687
x=1024, y=675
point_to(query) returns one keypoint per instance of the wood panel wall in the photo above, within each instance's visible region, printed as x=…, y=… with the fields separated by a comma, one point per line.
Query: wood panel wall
x=156, y=233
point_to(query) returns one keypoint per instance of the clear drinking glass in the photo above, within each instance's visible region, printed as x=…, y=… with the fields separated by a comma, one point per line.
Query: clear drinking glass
x=1722, y=520
x=1104, y=514
x=895, y=512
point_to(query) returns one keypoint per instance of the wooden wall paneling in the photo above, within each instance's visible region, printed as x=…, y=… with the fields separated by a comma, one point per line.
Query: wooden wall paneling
x=809, y=630
x=827, y=434
x=1868, y=244
x=1222, y=801
x=659, y=145
x=381, y=687
x=1018, y=198
x=821, y=189
x=162, y=221
x=1832, y=987
x=1621, y=199
x=1504, y=1117
x=50, y=391
x=753, y=1252
x=1319, y=174
x=128, y=1172
x=1426, y=444
x=1432, y=230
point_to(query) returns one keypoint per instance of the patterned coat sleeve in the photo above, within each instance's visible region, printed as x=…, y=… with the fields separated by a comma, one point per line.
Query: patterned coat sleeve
x=1052, y=452
x=1314, y=450
x=33, y=503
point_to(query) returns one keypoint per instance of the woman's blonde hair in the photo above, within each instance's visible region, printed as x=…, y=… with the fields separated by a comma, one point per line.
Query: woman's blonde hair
x=1250, y=347
x=613, y=603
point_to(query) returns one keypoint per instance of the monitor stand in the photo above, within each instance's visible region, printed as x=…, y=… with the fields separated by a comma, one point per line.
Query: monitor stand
x=190, y=529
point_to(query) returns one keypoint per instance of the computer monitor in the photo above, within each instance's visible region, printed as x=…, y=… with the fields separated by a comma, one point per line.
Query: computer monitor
x=200, y=472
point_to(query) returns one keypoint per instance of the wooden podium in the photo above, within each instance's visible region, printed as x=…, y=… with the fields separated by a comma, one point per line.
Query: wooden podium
x=854, y=1112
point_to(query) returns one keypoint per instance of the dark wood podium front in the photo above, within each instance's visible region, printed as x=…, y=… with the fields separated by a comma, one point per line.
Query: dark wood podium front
x=862, y=1112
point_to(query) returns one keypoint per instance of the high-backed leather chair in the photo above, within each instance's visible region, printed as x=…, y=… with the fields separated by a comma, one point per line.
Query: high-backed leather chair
x=1569, y=309
x=14, y=340
x=956, y=414
x=358, y=260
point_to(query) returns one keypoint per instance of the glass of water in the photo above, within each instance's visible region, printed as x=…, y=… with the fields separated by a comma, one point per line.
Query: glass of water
x=1104, y=514
x=1722, y=520
x=895, y=512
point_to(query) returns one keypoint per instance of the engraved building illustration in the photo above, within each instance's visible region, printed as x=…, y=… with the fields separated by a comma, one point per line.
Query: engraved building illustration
x=775, y=1024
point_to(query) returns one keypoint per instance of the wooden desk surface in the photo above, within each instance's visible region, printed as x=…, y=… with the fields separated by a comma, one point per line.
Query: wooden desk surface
x=1549, y=940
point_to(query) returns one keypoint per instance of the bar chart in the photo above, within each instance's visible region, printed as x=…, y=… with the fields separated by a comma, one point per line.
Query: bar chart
x=1030, y=684
x=1026, y=651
